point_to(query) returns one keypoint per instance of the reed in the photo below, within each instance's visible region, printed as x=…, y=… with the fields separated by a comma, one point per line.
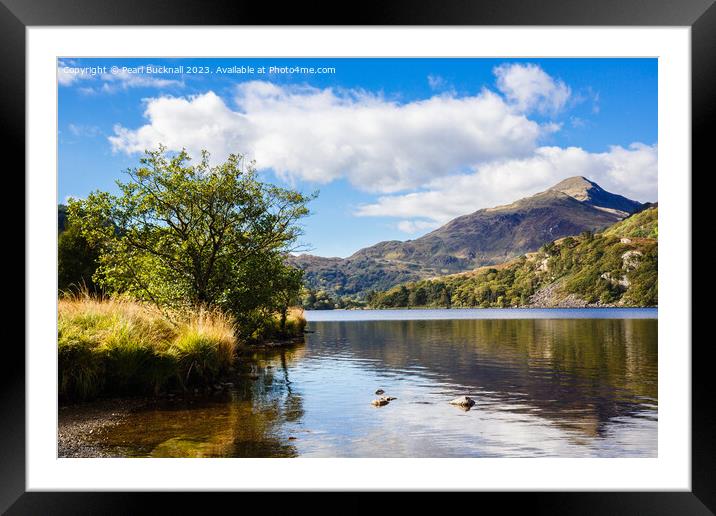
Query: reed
x=117, y=346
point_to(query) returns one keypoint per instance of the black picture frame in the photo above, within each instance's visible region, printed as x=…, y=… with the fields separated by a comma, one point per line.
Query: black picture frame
x=700, y=15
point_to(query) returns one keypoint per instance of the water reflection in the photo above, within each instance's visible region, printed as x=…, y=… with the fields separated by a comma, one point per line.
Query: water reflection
x=244, y=422
x=579, y=373
x=580, y=387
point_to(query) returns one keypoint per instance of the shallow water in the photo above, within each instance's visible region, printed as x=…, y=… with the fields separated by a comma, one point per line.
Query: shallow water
x=543, y=387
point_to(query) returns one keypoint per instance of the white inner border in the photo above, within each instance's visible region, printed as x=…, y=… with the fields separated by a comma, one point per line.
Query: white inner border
x=671, y=470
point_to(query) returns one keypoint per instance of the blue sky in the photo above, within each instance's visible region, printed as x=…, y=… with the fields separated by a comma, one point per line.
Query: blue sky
x=395, y=147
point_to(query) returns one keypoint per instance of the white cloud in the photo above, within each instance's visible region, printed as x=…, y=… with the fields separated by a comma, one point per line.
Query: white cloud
x=68, y=73
x=429, y=160
x=124, y=79
x=416, y=226
x=84, y=130
x=200, y=122
x=628, y=171
x=529, y=88
x=65, y=78
x=436, y=82
x=577, y=122
x=324, y=134
x=99, y=80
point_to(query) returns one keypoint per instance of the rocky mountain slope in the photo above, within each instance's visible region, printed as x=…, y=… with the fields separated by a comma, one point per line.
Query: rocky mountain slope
x=615, y=267
x=487, y=236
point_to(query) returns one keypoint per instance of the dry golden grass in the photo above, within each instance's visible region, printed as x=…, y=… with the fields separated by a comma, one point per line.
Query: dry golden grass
x=295, y=323
x=117, y=345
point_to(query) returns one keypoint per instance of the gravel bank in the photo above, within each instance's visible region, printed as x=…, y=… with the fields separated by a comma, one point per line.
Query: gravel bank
x=79, y=426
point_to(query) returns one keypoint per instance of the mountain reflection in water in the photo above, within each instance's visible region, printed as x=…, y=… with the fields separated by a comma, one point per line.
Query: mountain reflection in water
x=543, y=387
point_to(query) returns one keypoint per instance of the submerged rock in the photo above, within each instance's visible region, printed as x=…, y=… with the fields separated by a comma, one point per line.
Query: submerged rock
x=463, y=401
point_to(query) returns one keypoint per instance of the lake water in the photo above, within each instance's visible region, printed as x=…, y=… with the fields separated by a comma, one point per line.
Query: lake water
x=556, y=383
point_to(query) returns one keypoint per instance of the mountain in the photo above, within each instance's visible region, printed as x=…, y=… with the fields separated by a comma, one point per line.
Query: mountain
x=487, y=236
x=615, y=267
x=591, y=193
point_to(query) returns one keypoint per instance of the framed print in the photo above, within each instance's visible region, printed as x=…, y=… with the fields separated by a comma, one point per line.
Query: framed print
x=416, y=253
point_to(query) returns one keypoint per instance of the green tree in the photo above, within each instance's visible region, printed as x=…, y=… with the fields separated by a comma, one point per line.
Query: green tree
x=183, y=234
x=287, y=283
x=418, y=296
x=77, y=260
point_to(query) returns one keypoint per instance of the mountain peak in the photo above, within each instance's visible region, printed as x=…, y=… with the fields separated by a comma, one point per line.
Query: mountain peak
x=577, y=187
x=589, y=192
x=486, y=236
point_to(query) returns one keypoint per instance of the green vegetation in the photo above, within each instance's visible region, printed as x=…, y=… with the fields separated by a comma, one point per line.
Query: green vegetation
x=184, y=235
x=118, y=346
x=77, y=259
x=114, y=346
x=602, y=269
x=485, y=237
x=205, y=242
x=644, y=224
x=321, y=300
x=280, y=326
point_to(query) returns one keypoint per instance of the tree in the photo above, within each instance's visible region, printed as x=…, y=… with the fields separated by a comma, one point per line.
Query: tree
x=418, y=296
x=76, y=261
x=183, y=234
x=76, y=258
x=287, y=285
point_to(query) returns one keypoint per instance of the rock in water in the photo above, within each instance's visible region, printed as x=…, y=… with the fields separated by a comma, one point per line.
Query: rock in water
x=463, y=401
x=379, y=392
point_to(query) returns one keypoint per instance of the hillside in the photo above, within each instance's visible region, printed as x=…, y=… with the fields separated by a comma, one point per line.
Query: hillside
x=487, y=236
x=616, y=267
x=644, y=224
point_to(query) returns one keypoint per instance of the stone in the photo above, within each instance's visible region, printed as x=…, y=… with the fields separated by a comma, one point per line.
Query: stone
x=383, y=400
x=463, y=401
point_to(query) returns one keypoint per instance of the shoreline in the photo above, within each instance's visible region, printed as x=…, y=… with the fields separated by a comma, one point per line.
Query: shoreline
x=80, y=423
x=532, y=313
x=76, y=422
x=524, y=307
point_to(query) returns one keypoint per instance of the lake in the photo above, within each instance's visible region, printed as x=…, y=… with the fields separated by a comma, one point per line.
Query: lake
x=547, y=383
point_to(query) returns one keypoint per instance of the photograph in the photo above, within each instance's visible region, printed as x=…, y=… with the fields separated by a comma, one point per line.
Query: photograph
x=416, y=251
x=358, y=257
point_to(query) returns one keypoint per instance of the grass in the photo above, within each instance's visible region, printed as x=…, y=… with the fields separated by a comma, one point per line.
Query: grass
x=272, y=329
x=113, y=346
